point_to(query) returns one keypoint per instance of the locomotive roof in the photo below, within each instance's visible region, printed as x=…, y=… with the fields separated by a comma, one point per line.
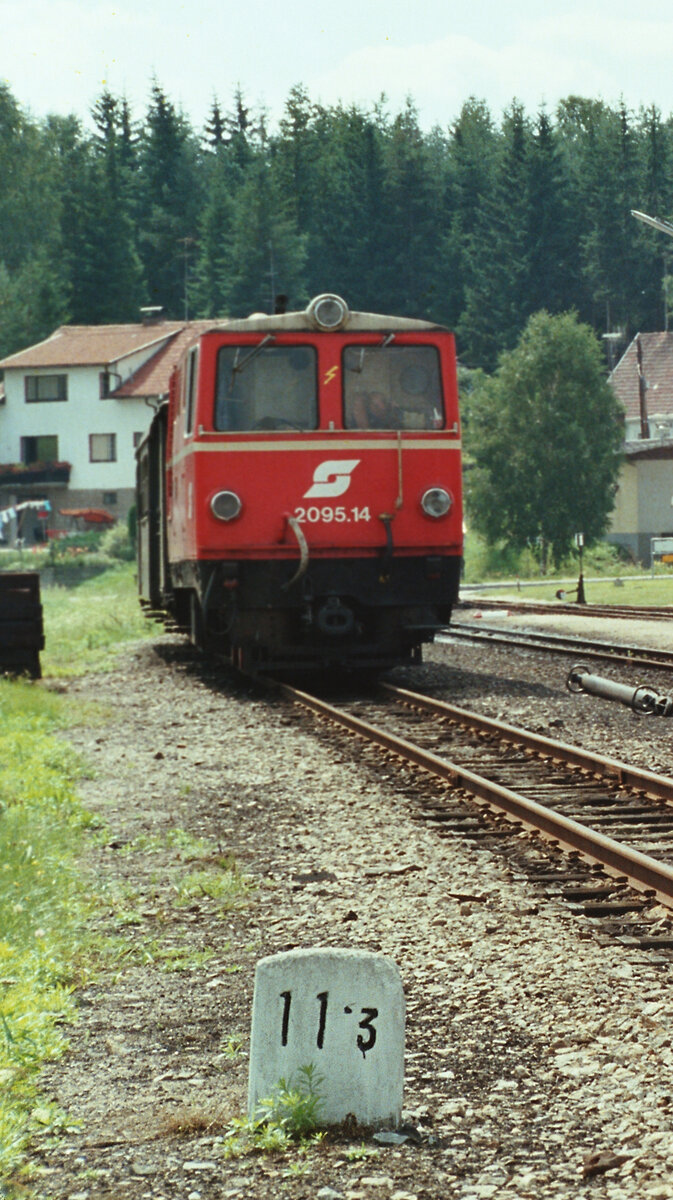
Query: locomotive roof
x=356, y=322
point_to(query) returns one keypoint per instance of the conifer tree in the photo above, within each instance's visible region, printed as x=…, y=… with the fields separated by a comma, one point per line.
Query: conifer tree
x=412, y=199
x=209, y=287
x=653, y=253
x=472, y=154
x=268, y=254
x=552, y=253
x=115, y=260
x=169, y=199
x=497, y=261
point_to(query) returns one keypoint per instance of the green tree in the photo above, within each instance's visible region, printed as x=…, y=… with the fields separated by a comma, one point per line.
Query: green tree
x=497, y=256
x=34, y=288
x=229, y=140
x=610, y=183
x=552, y=254
x=209, y=286
x=472, y=161
x=655, y=195
x=412, y=196
x=544, y=436
x=32, y=303
x=169, y=200
x=294, y=153
x=267, y=253
x=67, y=149
x=116, y=272
x=29, y=209
x=343, y=211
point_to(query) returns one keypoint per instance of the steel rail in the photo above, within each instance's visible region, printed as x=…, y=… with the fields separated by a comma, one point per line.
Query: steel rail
x=644, y=873
x=636, y=778
x=557, y=643
x=631, y=612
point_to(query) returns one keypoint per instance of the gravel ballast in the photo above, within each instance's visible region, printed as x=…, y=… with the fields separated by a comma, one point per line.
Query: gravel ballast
x=539, y=1060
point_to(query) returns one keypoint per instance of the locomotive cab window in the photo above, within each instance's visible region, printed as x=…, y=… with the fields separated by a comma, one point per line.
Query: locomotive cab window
x=266, y=387
x=190, y=389
x=392, y=387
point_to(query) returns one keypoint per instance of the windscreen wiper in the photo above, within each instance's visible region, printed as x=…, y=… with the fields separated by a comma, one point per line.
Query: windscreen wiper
x=240, y=366
x=385, y=341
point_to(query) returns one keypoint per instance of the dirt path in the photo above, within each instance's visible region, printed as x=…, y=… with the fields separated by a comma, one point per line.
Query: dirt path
x=530, y=1048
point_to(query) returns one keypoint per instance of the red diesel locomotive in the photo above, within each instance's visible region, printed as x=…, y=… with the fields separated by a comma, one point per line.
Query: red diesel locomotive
x=299, y=495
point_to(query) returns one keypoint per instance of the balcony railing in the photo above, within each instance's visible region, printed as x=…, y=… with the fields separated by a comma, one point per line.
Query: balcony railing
x=22, y=475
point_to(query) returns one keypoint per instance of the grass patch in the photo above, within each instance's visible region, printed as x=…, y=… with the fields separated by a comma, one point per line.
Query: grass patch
x=227, y=886
x=640, y=591
x=483, y=561
x=184, y=845
x=609, y=578
x=87, y=625
x=120, y=953
x=289, y=1117
x=217, y=879
x=42, y=909
x=48, y=940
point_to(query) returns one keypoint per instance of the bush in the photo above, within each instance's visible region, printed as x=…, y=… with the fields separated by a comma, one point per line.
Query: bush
x=484, y=561
x=499, y=561
x=116, y=543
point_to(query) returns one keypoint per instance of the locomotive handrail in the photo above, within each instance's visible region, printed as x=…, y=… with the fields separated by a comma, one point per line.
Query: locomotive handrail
x=303, y=552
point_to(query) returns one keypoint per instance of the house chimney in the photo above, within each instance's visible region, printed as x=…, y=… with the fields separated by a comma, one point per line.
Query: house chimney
x=151, y=314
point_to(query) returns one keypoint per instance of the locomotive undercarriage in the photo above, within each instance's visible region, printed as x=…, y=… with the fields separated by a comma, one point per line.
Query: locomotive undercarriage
x=351, y=614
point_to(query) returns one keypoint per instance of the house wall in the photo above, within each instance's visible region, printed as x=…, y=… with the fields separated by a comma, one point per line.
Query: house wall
x=72, y=421
x=624, y=518
x=643, y=506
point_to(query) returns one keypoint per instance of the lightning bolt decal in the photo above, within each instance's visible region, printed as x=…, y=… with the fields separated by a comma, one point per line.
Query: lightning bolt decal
x=329, y=375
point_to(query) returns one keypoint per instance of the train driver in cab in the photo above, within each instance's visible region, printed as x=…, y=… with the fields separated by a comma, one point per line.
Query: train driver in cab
x=373, y=410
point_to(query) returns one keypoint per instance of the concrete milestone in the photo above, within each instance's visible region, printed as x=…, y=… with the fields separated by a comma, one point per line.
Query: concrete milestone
x=341, y=1012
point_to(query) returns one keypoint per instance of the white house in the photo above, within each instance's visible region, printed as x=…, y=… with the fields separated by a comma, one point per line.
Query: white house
x=73, y=410
x=643, y=383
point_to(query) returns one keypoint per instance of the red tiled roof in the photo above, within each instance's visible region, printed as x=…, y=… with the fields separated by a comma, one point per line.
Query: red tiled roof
x=657, y=351
x=151, y=379
x=93, y=345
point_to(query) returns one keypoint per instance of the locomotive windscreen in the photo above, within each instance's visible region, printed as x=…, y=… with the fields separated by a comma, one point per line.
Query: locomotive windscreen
x=392, y=387
x=266, y=387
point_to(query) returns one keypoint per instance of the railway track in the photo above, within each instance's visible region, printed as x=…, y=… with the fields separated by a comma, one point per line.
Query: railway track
x=633, y=612
x=607, y=826
x=552, y=643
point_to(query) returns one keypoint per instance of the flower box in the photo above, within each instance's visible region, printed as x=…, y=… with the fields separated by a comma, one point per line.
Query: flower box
x=20, y=475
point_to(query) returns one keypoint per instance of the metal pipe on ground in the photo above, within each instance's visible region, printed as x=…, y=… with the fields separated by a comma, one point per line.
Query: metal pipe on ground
x=640, y=699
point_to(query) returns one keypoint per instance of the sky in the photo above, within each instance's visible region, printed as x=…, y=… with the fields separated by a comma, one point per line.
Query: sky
x=58, y=55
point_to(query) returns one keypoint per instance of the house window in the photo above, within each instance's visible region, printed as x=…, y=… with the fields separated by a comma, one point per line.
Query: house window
x=40, y=388
x=109, y=499
x=137, y=439
x=102, y=447
x=108, y=382
x=39, y=449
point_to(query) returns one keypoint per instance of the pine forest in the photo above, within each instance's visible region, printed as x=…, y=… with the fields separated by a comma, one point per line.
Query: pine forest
x=477, y=225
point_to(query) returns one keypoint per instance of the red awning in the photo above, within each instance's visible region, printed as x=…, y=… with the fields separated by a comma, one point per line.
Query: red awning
x=92, y=516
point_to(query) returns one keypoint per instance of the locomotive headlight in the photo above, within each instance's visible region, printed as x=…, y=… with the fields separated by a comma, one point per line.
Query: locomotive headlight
x=327, y=312
x=436, y=502
x=226, y=506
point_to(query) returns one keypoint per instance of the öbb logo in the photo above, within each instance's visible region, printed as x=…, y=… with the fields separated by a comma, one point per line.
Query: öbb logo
x=331, y=478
